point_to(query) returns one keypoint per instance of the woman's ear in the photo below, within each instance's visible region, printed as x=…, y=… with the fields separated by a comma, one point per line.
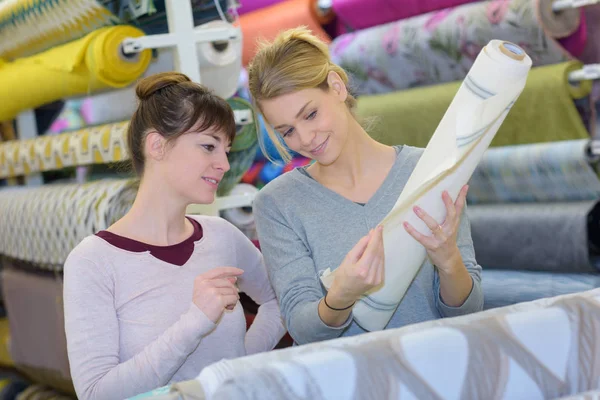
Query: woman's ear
x=155, y=145
x=337, y=86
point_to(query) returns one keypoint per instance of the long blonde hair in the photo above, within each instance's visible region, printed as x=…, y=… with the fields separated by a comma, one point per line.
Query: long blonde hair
x=295, y=60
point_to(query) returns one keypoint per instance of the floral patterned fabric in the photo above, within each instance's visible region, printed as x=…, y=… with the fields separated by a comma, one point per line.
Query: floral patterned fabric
x=440, y=46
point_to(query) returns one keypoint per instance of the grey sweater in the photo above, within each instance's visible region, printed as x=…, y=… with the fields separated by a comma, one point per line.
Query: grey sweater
x=305, y=228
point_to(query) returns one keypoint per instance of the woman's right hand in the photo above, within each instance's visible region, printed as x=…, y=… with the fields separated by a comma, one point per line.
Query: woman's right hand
x=361, y=270
x=215, y=290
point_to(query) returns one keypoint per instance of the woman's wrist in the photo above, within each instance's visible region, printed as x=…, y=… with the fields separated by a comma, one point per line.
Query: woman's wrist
x=336, y=300
x=336, y=307
x=452, y=264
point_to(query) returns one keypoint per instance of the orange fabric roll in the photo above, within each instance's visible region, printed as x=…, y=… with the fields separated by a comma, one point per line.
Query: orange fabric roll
x=267, y=22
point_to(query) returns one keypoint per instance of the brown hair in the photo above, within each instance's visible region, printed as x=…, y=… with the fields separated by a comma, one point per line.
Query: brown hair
x=294, y=61
x=171, y=104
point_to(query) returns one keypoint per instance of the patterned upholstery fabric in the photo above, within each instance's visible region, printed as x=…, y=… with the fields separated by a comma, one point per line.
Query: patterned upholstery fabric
x=541, y=350
x=42, y=225
x=96, y=145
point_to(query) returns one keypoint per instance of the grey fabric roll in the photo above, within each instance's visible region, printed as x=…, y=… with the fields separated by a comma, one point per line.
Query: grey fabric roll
x=538, y=172
x=550, y=237
x=503, y=288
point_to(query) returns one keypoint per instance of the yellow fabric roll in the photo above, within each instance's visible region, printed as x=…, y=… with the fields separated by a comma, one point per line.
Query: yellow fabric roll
x=545, y=111
x=94, y=145
x=5, y=358
x=84, y=66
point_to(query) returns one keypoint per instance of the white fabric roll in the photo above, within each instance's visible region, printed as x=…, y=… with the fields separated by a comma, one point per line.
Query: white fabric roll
x=485, y=97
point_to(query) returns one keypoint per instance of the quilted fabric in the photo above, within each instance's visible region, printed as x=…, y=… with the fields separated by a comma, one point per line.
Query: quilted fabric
x=42, y=225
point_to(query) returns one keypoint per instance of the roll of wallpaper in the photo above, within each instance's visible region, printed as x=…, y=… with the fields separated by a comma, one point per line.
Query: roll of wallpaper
x=441, y=46
x=545, y=172
x=266, y=23
x=492, y=86
x=247, y=6
x=549, y=237
x=544, y=112
x=81, y=67
x=504, y=288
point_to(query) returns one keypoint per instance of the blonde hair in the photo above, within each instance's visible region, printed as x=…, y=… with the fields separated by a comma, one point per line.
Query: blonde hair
x=295, y=60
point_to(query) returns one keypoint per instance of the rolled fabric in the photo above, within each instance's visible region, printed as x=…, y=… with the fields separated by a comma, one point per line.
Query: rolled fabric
x=242, y=217
x=41, y=225
x=545, y=172
x=361, y=14
x=266, y=23
x=591, y=52
x=103, y=144
x=84, y=66
x=247, y=6
x=411, y=116
x=576, y=43
x=243, y=148
x=441, y=46
x=488, y=92
x=552, y=237
x=28, y=27
x=484, y=355
x=504, y=288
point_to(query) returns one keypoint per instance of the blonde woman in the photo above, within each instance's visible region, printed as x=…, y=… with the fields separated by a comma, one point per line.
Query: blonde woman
x=325, y=215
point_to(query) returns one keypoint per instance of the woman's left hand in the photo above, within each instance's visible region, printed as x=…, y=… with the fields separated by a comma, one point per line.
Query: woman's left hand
x=441, y=245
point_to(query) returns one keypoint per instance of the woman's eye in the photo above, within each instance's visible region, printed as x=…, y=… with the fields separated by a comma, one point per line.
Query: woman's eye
x=209, y=147
x=288, y=132
x=312, y=115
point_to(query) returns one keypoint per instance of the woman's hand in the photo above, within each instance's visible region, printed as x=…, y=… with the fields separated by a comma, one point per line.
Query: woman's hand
x=361, y=270
x=441, y=245
x=215, y=290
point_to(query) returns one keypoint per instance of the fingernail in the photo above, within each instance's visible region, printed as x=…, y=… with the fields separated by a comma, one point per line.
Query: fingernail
x=405, y=224
x=380, y=227
x=418, y=210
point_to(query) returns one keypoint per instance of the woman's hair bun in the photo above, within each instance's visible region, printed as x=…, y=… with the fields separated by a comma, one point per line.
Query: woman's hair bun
x=150, y=85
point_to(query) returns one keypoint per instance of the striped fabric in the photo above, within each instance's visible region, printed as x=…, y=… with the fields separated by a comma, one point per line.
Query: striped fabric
x=541, y=172
x=42, y=225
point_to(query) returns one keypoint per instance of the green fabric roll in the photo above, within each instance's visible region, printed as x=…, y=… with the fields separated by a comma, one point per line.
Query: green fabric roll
x=545, y=111
x=243, y=148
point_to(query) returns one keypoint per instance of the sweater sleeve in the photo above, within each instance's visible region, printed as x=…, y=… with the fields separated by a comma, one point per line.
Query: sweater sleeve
x=474, y=302
x=293, y=274
x=92, y=331
x=267, y=328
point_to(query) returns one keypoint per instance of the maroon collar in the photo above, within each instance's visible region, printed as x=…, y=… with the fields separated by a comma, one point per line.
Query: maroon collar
x=177, y=254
